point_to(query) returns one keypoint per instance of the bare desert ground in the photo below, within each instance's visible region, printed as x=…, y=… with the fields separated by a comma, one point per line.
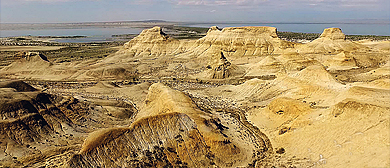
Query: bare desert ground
x=235, y=97
x=29, y=48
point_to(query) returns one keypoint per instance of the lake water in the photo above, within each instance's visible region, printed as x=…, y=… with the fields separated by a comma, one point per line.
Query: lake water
x=93, y=34
x=105, y=34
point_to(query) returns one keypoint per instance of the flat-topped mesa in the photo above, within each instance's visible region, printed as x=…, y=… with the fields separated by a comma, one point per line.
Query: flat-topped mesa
x=152, y=35
x=333, y=34
x=251, y=30
x=240, y=41
x=235, y=41
x=150, y=42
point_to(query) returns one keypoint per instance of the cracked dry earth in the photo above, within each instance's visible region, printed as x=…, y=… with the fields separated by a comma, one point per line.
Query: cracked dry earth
x=238, y=97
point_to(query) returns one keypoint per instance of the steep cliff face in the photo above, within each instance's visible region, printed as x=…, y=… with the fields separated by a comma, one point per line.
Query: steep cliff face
x=240, y=41
x=234, y=41
x=172, y=131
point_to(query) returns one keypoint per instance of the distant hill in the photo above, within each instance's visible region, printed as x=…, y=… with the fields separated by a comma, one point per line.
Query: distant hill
x=153, y=21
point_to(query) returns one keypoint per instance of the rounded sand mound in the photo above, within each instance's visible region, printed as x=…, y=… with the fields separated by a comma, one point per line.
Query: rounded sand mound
x=111, y=72
x=316, y=74
x=267, y=66
x=341, y=61
x=288, y=107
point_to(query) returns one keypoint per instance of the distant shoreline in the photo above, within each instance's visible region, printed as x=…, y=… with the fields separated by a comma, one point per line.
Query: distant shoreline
x=143, y=24
x=34, y=26
x=90, y=32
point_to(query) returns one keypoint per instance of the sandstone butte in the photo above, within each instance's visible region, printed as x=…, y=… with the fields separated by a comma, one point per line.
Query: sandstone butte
x=237, y=97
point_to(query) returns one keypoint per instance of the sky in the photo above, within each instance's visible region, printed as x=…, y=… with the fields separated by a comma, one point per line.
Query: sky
x=64, y=11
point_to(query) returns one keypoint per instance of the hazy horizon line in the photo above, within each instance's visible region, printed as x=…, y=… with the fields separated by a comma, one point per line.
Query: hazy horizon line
x=350, y=21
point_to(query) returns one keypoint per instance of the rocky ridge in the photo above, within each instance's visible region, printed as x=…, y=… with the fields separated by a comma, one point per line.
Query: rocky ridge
x=172, y=131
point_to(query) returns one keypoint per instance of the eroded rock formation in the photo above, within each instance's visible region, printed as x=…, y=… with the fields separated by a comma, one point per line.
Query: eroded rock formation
x=241, y=41
x=234, y=41
x=332, y=40
x=219, y=67
x=150, y=42
x=28, y=61
x=35, y=126
x=172, y=131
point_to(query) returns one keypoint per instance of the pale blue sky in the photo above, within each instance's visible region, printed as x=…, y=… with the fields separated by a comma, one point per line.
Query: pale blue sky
x=58, y=11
